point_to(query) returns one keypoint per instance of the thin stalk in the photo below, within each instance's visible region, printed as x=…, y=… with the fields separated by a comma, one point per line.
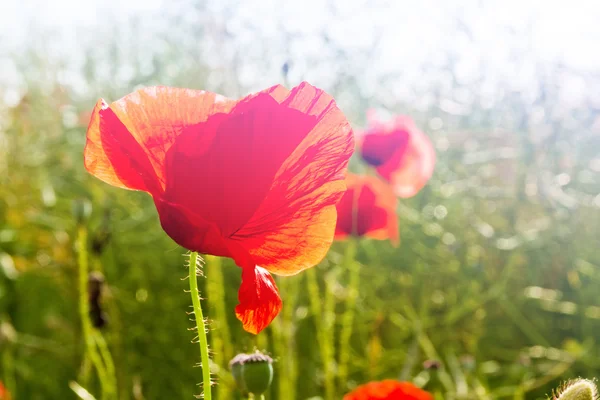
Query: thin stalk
x=221, y=336
x=289, y=335
x=84, y=315
x=349, y=311
x=284, y=340
x=200, y=325
x=106, y=357
x=323, y=321
x=281, y=351
x=329, y=337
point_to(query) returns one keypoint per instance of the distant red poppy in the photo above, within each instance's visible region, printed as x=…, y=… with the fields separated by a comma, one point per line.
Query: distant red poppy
x=388, y=390
x=255, y=179
x=368, y=208
x=4, y=394
x=400, y=152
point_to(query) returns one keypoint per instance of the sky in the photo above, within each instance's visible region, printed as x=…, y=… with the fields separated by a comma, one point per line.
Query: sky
x=566, y=30
x=487, y=37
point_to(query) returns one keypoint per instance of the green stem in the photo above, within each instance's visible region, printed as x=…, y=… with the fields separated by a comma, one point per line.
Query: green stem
x=221, y=336
x=323, y=317
x=84, y=314
x=349, y=311
x=284, y=340
x=200, y=326
x=106, y=357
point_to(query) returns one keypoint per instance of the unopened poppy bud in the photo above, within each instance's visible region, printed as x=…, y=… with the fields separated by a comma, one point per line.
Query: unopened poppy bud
x=578, y=389
x=253, y=373
x=82, y=209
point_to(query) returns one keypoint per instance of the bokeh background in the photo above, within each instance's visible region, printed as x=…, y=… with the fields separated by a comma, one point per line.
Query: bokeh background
x=498, y=272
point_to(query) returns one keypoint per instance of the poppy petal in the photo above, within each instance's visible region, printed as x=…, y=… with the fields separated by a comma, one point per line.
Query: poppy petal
x=256, y=138
x=113, y=155
x=368, y=208
x=293, y=227
x=259, y=299
x=153, y=118
x=412, y=165
x=388, y=390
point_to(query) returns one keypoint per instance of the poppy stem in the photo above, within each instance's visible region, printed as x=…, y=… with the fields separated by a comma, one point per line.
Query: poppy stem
x=200, y=325
x=220, y=337
x=323, y=314
x=349, y=310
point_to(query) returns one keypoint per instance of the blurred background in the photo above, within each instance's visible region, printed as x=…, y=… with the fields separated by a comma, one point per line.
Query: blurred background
x=498, y=272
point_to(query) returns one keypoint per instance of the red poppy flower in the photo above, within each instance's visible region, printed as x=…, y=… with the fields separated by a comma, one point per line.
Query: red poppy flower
x=255, y=179
x=388, y=390
x=4, y=394
x=368, y=208
x=401, y=154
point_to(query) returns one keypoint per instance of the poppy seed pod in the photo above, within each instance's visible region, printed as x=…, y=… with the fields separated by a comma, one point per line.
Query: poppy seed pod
x=253, y=373
x=578, y=389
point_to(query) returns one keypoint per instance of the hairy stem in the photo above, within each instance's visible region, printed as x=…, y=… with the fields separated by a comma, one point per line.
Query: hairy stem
x=200, y=326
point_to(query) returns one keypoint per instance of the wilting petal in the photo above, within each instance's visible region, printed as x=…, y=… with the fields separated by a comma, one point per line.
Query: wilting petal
x=368, y=208
x=259, y=299
x=294, y=225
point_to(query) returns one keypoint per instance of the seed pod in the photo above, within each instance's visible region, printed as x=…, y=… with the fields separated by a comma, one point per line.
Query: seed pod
x=253, y=373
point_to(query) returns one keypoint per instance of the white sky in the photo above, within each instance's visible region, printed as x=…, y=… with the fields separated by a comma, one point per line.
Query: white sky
x=568, y=30
x=413, y=33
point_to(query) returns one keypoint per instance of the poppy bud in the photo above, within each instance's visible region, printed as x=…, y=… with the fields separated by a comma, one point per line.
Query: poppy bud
x=253, y=373
x=82, y=209
x=578, y=389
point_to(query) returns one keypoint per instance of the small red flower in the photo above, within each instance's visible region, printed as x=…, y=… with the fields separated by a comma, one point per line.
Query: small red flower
x=368, y=208
x=4, y=394
x=255, y=179
x=401, y=154
x=388, y=390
